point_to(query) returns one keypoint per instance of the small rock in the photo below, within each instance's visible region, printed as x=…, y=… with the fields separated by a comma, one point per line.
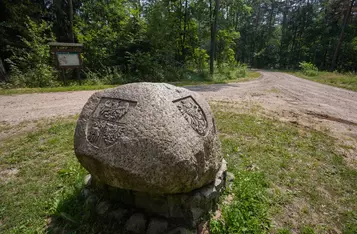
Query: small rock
x=196, y=200
x=90, y=202
x=197, y=213
x=95, y=183
x=218, y=183
x=87, y=180
x=136, y=224
x=175, y=207
x=223, y=166
x=151, y=203
x=85, y=192
x=210, y=192
x=157, y=226
x=181, y=230
x=118, y=214
x=103, y=207
x=230, y=177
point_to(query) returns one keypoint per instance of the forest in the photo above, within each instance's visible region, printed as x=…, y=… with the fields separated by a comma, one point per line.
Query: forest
x=170, y=40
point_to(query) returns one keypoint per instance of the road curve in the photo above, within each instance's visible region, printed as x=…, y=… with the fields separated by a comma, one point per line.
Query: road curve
x=289, y=97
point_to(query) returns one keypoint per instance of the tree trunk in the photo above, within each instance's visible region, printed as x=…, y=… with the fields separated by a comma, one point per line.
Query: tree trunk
x=252, y=52
x=71, y=35
x=282, y=49
x=3, y=75
x=337, y=50
x=213, y=35
x=271, y=17
x=183, y=49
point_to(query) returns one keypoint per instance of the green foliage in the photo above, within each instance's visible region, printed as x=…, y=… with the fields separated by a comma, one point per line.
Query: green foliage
x=106, y=75
x=289, y=161
x=30, y=66
x=248, y=211
x=308, y=69
x=232, y=71
x=226, y=41
x=275, y=164
x=241, y=70
x=307, y=230
x=346, y=81
x=168, y=40
x=354, y=44
x=109, y=35
x=200, y=59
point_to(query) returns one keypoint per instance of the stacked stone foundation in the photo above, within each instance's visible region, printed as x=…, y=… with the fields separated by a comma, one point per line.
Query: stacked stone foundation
x=139, y=212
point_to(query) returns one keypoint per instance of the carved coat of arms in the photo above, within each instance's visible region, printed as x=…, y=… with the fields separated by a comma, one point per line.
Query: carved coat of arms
x=104, y=127
x=193, y=114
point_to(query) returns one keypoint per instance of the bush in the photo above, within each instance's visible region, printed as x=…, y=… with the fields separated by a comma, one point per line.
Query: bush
x=30, y=66
x=143, y=66
x=106, y=75
x=200, y=58
x=241, y=70
x=308, y=68
x=232, y=72
x=248, y=211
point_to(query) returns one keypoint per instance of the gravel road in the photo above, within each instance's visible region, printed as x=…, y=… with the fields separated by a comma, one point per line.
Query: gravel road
x=283, y=96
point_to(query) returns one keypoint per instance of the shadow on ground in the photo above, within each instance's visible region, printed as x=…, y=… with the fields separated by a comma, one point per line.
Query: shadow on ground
x=79, y=214
x=211, y=87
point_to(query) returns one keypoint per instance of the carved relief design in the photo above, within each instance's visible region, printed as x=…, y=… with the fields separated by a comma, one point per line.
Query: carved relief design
x=112, y=109
x=193, y=114
x=103, y=133
x=104, y=127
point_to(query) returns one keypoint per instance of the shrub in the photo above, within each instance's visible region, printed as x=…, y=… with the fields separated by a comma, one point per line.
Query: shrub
x=241, y=70
x=105, y=75
x=30, y=66
x=200, y=58
x=308, y=68
x=232, y=72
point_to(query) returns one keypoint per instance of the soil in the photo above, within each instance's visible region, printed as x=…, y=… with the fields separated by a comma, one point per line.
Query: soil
x=282, y=96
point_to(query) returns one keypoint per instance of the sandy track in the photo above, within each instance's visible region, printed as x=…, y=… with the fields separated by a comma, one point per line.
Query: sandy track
x=284, y=96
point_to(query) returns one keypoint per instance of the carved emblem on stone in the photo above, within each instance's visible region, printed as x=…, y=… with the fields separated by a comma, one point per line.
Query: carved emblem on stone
x=193, y=114
x=104, y=127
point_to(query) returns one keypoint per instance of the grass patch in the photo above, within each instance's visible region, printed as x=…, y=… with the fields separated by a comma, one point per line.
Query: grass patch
x=287, y=180
x=218, y=79
x=346, y=81
x=294, y=177
x=38, y=173
x=54, y=89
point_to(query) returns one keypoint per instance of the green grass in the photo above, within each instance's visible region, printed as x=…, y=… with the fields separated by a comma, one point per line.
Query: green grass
x=294, y=177
x=54, y=89
x=346, y=81
x=217, y=80
x=287, y=180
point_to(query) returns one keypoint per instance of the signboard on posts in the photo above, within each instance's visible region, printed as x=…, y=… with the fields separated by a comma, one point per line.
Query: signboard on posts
x=67, y=55
x=68, y=59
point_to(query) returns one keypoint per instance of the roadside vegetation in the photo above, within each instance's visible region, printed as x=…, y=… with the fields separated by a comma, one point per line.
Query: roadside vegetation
x=346, y=81
x=194, y=80
x=172, y=41
x=287, y=180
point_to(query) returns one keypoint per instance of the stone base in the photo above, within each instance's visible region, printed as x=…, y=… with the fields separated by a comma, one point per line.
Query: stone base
x=146, y=213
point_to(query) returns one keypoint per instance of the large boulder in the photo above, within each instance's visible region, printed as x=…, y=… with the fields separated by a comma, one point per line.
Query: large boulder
x=154, y=138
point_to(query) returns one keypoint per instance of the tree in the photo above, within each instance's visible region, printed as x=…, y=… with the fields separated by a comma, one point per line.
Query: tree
x=344, y=24
x=213, y=34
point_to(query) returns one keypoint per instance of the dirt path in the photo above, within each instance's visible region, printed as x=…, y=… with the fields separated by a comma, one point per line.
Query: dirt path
x=281, y=95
